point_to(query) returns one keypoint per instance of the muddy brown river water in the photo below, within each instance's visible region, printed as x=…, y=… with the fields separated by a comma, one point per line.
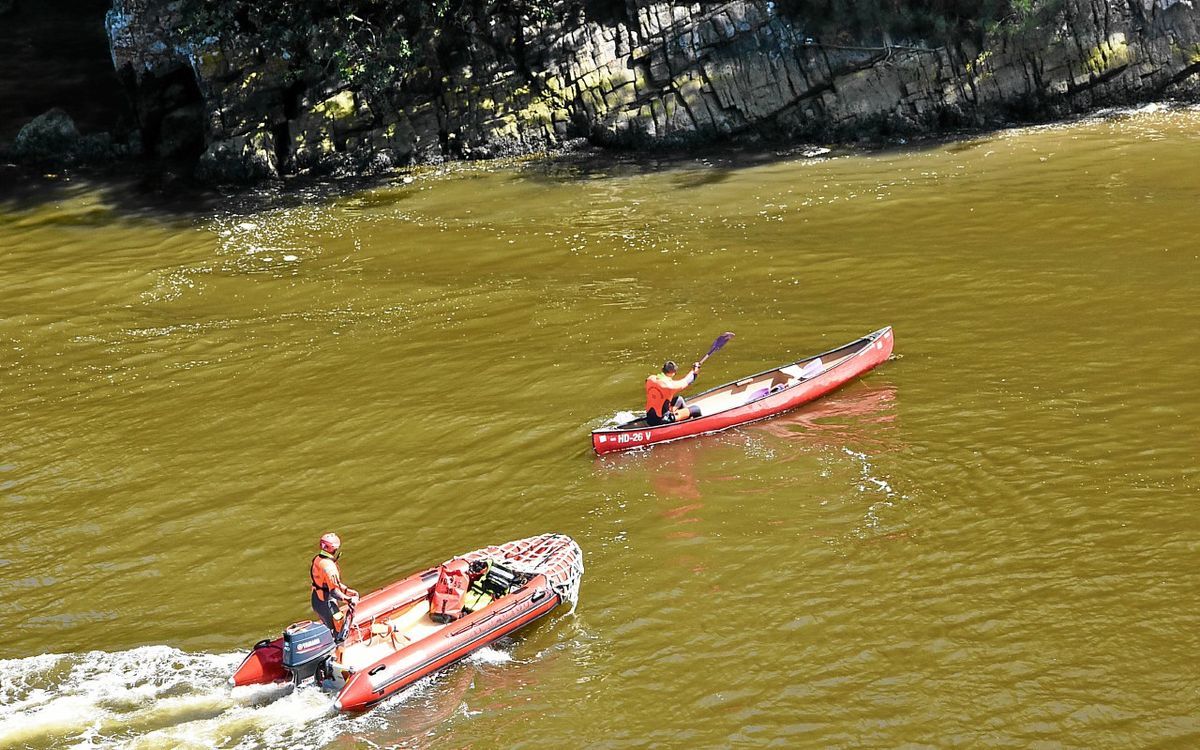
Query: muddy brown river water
x=989, y=541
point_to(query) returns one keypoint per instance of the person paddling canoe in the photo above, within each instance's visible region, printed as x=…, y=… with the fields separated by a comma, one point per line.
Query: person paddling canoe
x=327, y=587
x=663, y=402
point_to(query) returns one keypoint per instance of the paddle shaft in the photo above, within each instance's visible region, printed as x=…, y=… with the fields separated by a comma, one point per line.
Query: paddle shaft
x=721, y=341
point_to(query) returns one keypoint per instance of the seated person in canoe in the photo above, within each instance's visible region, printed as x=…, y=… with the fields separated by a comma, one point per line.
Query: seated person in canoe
x=663, y=402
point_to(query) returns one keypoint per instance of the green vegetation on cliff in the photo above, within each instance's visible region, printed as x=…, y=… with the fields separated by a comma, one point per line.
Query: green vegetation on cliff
x=932, y=21
x=371, y=42
x=368, y=44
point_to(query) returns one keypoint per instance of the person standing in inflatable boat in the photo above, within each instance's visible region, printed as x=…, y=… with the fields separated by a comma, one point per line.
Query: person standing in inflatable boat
x=663, y=402
x=328, y=591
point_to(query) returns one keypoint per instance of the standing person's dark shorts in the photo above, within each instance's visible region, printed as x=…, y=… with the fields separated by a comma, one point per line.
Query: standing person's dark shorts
x=325, y=610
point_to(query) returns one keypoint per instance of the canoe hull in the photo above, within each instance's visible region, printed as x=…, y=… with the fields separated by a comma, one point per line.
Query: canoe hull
x=878, y=347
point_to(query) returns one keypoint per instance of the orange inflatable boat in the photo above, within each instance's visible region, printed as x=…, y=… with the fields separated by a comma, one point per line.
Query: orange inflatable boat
x=416, y=626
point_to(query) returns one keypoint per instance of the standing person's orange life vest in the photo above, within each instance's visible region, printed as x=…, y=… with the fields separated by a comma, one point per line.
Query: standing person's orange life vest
x=326, y=578
x=661, y=390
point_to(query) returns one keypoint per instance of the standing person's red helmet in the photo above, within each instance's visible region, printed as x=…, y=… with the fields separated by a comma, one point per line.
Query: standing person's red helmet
x=331, y=543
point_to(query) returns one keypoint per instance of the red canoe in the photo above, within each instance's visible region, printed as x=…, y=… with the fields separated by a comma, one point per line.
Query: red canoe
x=756, y=397
x=392, y=640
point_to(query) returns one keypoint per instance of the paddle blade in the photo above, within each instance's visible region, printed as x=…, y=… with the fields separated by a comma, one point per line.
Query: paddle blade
x=721, y=341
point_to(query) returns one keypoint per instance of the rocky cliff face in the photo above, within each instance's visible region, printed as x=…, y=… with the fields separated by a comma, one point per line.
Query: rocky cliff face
x=658, y=74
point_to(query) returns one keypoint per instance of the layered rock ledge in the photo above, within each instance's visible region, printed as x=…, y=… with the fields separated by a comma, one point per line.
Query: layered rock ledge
x=657, y=74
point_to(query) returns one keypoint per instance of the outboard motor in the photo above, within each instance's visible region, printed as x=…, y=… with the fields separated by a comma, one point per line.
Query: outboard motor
x=305, y=646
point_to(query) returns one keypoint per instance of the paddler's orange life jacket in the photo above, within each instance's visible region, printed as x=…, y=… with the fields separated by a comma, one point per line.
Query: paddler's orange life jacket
x=326, y=578
x=661, y=390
